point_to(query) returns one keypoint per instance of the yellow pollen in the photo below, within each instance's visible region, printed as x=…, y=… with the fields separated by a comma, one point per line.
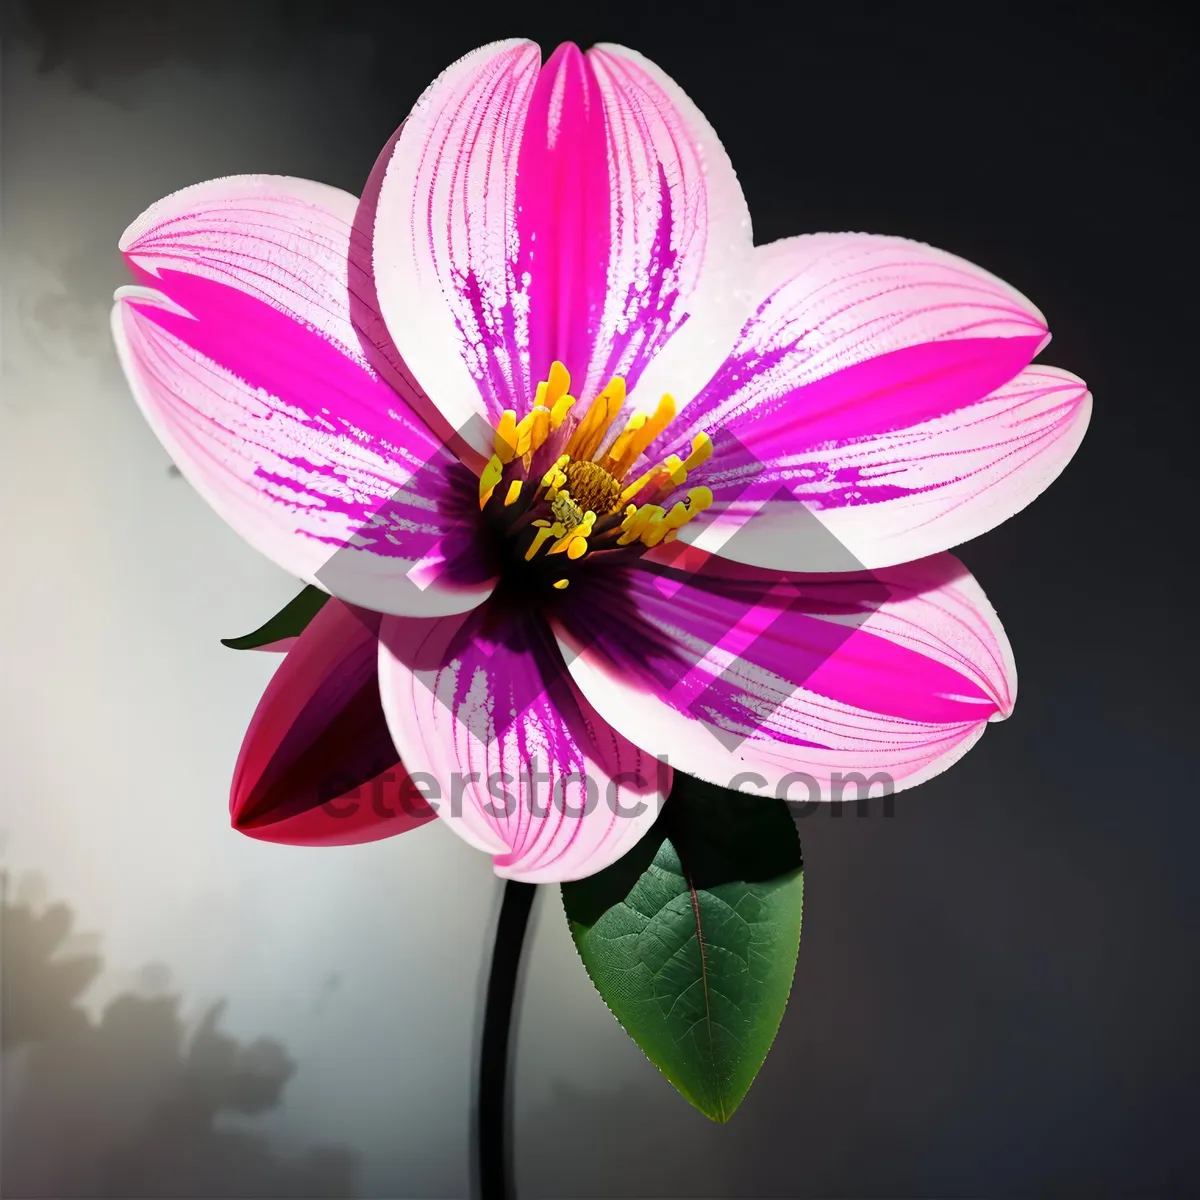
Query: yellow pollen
x=574, y=533
x=593, y=487
x=586, y=439
x=561, y=583
x=585, y=483
x=566, y=511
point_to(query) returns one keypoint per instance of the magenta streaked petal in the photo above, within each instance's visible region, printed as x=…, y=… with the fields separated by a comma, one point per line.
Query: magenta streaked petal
x=582, y=211
x=681, y=270
x=445, y=238
x=473, y=445
x=244, y=359
x=317, y=766
x=725, y=669
x=828, y=301
x=563, y=219
x=879, y=383
x=525, y=768
x=901, y=494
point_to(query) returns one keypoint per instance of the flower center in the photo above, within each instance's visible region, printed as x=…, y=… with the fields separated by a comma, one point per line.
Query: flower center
x=556, y=493
x=592, y=487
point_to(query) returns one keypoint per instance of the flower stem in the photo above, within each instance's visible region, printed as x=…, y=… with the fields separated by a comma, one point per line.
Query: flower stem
x=494, y=1115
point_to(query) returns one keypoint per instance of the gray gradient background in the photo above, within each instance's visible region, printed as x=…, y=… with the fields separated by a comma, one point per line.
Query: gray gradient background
x=997, y=989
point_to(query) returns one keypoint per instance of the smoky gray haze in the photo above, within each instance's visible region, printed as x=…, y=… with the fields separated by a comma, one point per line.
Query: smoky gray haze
x=997, y=987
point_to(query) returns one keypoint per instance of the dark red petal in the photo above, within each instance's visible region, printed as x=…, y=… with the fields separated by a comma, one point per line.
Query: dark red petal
x=317, y=766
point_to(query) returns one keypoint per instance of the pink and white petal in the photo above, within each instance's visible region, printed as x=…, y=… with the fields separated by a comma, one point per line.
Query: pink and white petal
x=855, y=383
x=243, y=357
x=897, y=495
x=526, y=769
x=921, y=490
x=681, y=263
x=317, y=766
x=582, y=211
x=723, y=670
x=445, y=238
x=472, y=445
x=282, y=240
x=563, y=221
x=828, y=302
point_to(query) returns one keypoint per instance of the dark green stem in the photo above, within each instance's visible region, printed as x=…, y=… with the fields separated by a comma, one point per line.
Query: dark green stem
x=494, y=1114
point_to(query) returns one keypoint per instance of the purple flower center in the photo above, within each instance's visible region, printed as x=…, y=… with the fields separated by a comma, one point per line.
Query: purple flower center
x=556, y=500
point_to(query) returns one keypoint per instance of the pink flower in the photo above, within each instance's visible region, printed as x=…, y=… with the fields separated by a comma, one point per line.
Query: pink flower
x=726, y=557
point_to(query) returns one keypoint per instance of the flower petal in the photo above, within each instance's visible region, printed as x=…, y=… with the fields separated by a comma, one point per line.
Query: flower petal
x=725, y=669
x=582, y=211
x=879, y=385
x=525, y=768
x=681, y=269
x=317, y=765
x=243, y=356
x=445, y=240
x=563, y=223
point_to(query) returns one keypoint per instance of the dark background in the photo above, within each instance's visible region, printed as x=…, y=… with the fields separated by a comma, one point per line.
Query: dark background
x=997, y=991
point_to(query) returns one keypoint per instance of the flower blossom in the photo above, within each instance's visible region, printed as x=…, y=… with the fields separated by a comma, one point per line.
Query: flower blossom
x=599, y=488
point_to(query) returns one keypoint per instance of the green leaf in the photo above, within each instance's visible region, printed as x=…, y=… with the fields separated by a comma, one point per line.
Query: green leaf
x=691, y=938
x=290, y=621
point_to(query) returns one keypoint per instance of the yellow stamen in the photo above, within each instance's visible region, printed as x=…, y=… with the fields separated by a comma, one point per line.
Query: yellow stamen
x=639, y=483
x=543, y=535
x=650, y=525
x=593, y=487
x=562, y=406
x=532, y=430
x=587, y=437
x=639, y=432
x=489, y=478
x=505, y=443
x=566, y=511
x=636, y=521
x=558, y=384
x=702, y=448
x=656, y=530
x=579, y=529
x=624, y=440
x=584, y=482
x=561, y=583
x=671, y=470
x=677, y=472
x=555, y=478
